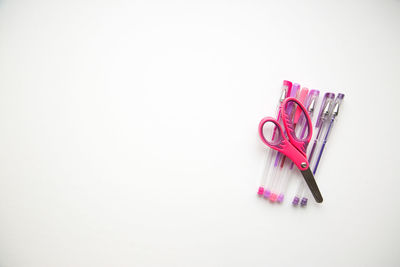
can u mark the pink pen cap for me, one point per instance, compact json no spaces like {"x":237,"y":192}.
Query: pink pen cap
{"x":293,"y":92}
{"x":288,"y":84}
{"x":273,"y":197}
{"x":302,"y":97}
{"x":285,"y":92}
{"x":260,"y":191}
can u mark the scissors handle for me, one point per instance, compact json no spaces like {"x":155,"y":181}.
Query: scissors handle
{"x":287,"y":118}
{"x":281,"y":144}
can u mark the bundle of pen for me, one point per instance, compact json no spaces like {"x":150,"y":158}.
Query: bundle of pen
{"x":295,"y":112}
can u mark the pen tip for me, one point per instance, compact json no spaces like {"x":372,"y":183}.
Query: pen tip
{"x":273,"y":197}
{"x":304,"y":201}
{"x":295,"y":201}
{"x":260,"y":191}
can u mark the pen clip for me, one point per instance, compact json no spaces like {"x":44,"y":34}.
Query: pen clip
{"x":325,"y":109}
{"x":312,"y":101}
{"x":288,"y":88}
{"x":338,"y":101}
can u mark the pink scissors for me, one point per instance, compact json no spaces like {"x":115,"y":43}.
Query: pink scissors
{"x":292,"y":147}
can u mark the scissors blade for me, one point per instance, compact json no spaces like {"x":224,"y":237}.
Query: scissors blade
{"x":309,"y":177}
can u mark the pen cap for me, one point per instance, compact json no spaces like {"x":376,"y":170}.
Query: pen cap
{"x":311,"y":103}
{"x":294,"y":90}
{"x":293,"y":93}
{"x":334,"y":112}
{"x":285,"y":91}
{"x":302,"y":96}
{"x":336,"y":106}
{"x":326,"y":106}
{"x":312,"y":100}
{"x":287,"y":84}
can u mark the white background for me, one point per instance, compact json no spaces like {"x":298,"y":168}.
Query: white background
{"x":128,"y":132}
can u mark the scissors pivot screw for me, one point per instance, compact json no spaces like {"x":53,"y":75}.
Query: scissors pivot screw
{"x":303,"y":164}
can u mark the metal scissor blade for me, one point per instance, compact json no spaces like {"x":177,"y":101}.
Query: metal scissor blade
{"x":309,"y":177}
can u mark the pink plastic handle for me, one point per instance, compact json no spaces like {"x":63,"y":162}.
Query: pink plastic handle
{"x":281,"y":144}
{"x":277,"y":136}
{"x":300,"y":144}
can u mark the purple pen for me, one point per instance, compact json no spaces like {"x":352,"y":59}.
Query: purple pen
{"x":334,"y":113}
{"x":320,"y":125}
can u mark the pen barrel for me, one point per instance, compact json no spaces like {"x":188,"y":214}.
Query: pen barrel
{"x":329,"y":130}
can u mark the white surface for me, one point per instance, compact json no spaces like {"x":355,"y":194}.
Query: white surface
{"x":128,"y":132}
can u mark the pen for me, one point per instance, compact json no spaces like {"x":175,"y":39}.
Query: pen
{"x":310,"y":104}
{"x":300,"y":123}
{"x":270,"y":153}
{"x":279,"y":160}
{"x":320,"y":125}
{"x":335,"y":112}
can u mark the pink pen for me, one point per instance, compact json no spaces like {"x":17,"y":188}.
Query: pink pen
{"x":270,"y":153}
{"x":290,"y":145}
{"x":310,"y":104}
{"x":277,"y":156}
{"x":275,"y":196}
{"x":279,"y":161}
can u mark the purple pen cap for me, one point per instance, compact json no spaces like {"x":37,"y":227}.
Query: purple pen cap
{"x":312,"y":100}
{"x":267,"y":193}
{"x":338,"y":101}
{"x":295,"y":201}
{"x":280,"y":198}
{"x":303,"y":202}
{"x":310,"y":103}
{"x":294,"y":90}
{"x":328,"y":97}
{"x":313,"y":93}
